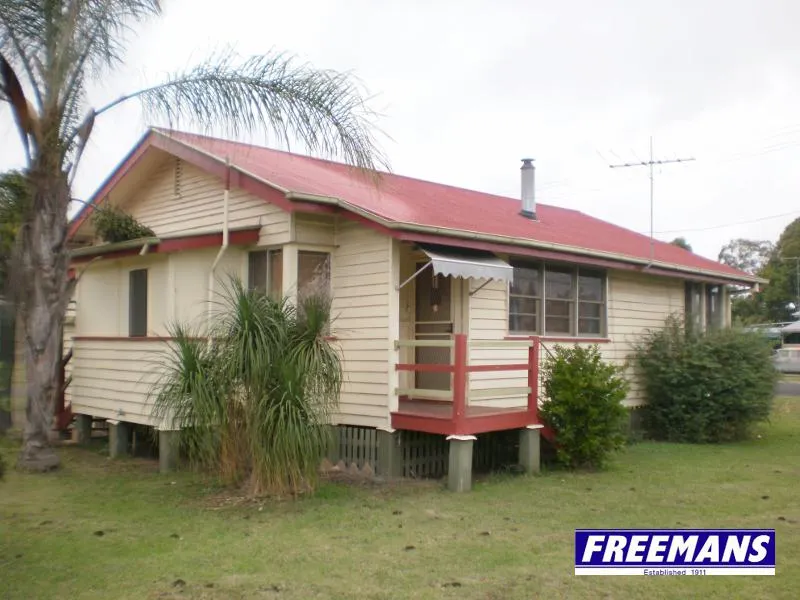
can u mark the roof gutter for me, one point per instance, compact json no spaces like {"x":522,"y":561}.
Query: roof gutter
{"x":457,"y":233}
{"x":144,"y":243}
{"x":487,"y":237}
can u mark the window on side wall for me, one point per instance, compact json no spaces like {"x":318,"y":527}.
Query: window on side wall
{"x":692,"y":305}
{"x":137,"y":303}
{"x":714,"y":315}
{"x":557,"y":301}
{"x":591,"y":303}
{"x":265,"y":272}
{"x":559,"y":306}
{"x":313,"y":273}
{"x":525,"y":300}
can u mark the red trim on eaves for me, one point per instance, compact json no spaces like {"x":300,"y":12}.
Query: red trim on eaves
{"x":204,"y":162}
{"x":565,"y":257}
{"x":217,"y":167}
{"x":123,"y":338}
{"x":127,"y":163}
{"x":240,"y":237}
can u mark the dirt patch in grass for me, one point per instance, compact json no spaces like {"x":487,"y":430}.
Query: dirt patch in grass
{"x":333,"y":484}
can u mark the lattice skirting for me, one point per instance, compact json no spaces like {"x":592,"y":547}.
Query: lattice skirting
{"x":423,"y":455}
{"x":357,"y":445}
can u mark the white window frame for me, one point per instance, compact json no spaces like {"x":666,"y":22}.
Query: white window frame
{"x":574,"y":271}
{"x":268,"y":250}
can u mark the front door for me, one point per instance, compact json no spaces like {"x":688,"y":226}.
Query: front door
{"x":433,"y":321}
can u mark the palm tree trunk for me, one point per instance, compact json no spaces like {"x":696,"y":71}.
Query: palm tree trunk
{"x":43,"y":269}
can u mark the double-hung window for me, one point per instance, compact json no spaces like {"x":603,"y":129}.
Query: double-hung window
{"x":313,"y":273}
{"x":525,"y":299}
{"x":559,"y":306}
{"x":591,"y":303}
{"x":265,"y":272}
{"x":137,"y":303}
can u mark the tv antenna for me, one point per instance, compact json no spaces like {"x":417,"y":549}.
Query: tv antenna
{"x":651,"y":163}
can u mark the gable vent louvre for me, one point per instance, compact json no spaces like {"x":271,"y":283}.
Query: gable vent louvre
{"x":178,"y":178}
{"x":528,"y":181}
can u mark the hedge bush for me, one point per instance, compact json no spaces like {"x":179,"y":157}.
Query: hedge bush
{"x":583,"y":406}
{"x":704,"y":387}
{"x":115,"y":225}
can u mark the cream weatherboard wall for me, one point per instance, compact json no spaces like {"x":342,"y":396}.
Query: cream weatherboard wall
{"x":636,"y":303}
{"x":112,"y":375}
{"x":180,"y":199}
{"x":364,"y":273}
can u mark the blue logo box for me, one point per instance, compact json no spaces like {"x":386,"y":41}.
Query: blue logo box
{"x":675,"y":552}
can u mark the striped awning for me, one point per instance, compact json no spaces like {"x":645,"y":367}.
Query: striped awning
{"x":468,"y":264}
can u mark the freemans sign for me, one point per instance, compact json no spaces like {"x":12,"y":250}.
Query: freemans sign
{"x":675,"y":552}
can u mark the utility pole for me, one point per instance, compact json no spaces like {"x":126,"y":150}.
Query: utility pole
{"x":651,"y":163}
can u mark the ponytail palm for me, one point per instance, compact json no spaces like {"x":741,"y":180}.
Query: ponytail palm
{"x":253,"y":405}
{"x":50,"y":51}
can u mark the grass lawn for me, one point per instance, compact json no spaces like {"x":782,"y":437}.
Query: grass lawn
{"x":102,"y":529}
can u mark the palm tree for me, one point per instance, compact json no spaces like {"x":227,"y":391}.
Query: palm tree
{"x":253,"y":405}
{"x":50,"y":50}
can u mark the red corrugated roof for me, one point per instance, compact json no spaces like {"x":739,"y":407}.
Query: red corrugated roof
{"x":399,"y":202}
{"x":404,"y":200}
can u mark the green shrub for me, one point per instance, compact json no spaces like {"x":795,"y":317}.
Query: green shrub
{"x":584,"y":406}
{"x":704,"y":387}
{"x":115,"y":225}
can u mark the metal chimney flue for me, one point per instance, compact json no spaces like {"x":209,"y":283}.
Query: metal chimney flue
{"x":528,"y":180}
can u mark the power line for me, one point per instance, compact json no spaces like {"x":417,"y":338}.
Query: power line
{"x":690,"y":230}
{"x":650,"y":163}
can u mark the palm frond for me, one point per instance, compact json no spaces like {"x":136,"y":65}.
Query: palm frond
{"x":325,"y":110}
{"x":21,"y":39}
{"x":255,"y":401}
{"x":94,"y":37}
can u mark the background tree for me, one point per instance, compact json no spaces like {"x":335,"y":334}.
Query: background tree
{"x":681,"y":243}
{"x":781,"y":296}
{"x":14,"y":195}
{"x":750,"y":256}
{"x":50,"y":50}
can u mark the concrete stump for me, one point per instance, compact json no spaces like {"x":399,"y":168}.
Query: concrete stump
{"x":119,"y":438}
{"x":530,"y":449}
{"x":459,"y":466}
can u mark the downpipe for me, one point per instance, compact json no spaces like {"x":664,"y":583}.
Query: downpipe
{"x":223,"y":249}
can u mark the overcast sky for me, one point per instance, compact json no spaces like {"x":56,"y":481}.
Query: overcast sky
{"x":467,"y":88}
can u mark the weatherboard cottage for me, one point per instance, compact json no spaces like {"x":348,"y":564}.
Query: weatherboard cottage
{"x":443,"y":297}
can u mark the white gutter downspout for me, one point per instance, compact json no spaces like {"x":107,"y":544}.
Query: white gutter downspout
{"x":223,"y":248}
